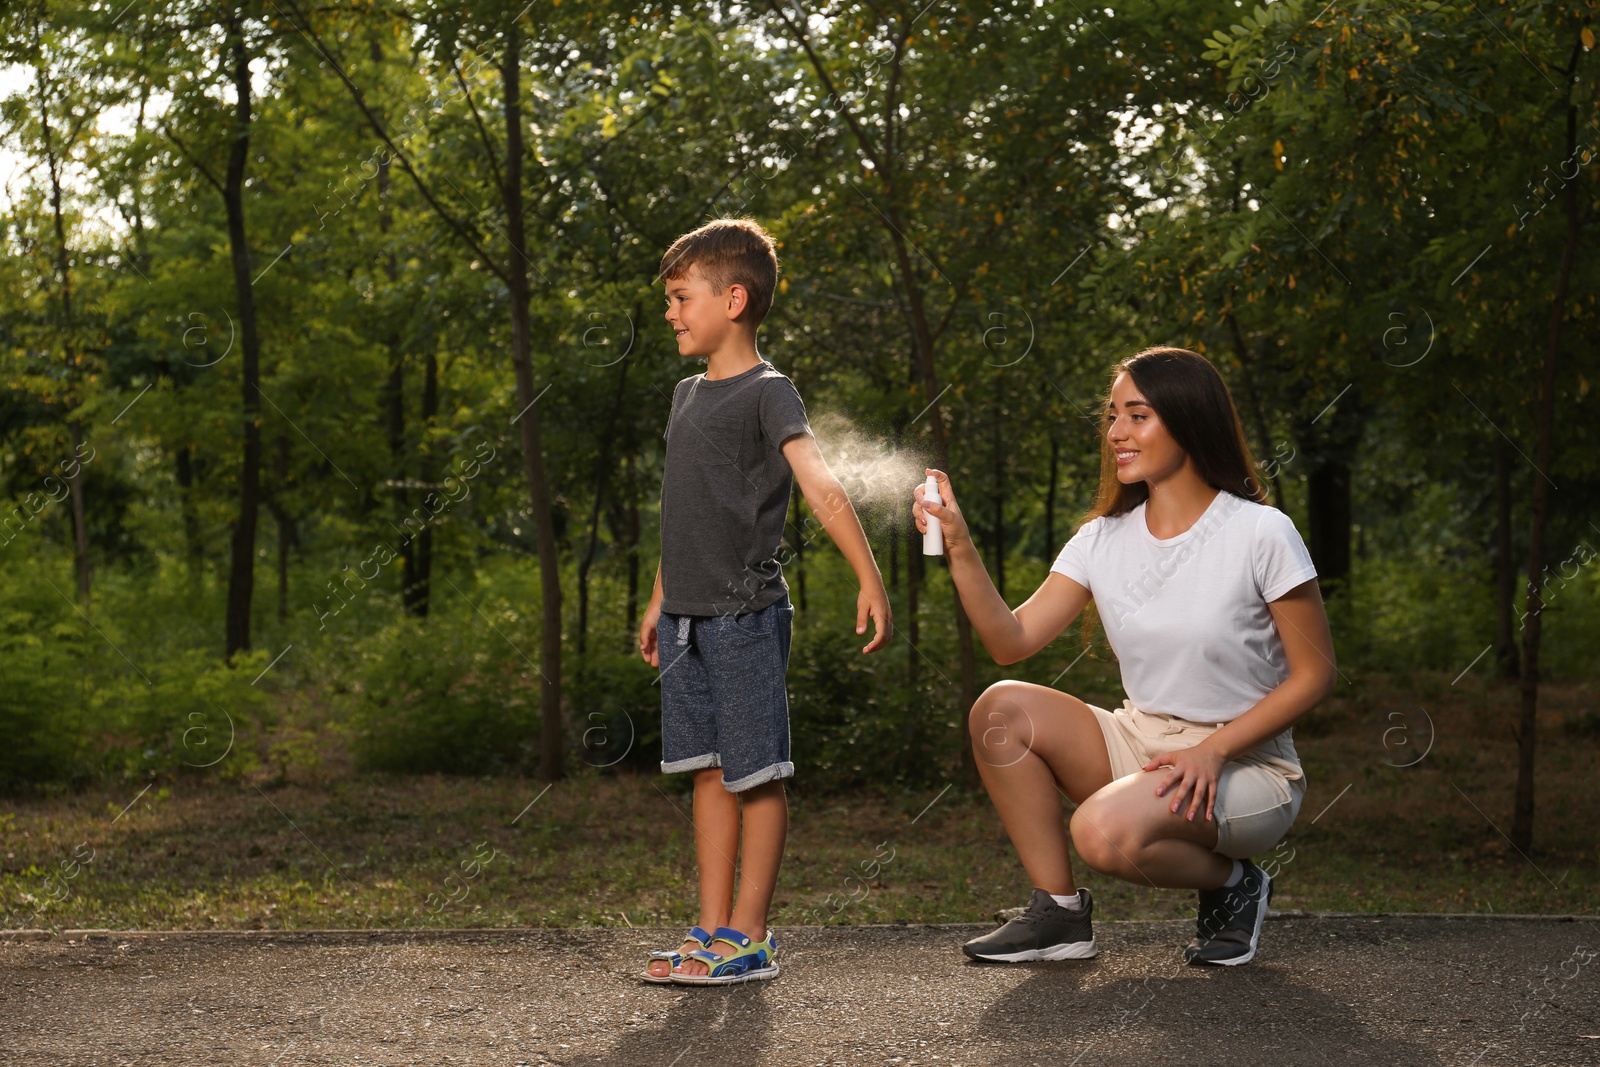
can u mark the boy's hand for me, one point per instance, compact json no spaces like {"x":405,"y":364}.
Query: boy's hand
{"x":876,"y":605}
{"x":952,"y":527}
{"x":647,"y":634}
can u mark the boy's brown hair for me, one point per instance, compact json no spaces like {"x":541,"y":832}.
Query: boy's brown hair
{"x":728,"y":252}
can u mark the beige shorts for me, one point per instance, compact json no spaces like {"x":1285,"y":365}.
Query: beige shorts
{"x":1258,"y":794}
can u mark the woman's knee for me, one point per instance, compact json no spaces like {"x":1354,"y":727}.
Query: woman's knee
{"x":999,"y":721}
{"x":1102,"y":839}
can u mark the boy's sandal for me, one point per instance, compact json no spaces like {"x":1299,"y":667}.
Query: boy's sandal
{"x":753,"y":961}
{"x":674,"y":959}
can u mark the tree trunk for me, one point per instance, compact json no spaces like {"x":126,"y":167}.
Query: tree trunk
{"x":1544,"y":449}
{"x":999,"y":495}
{"x":80,"y":526}
{"x":916,"y":568}
{"x":514,"y":274}
{"x":394,"y":389}
{"x":414,"y":558}
{"x":1328,"y":514}
{"x":602,"y":472}
{"x":551,"y":746}
{"x":906,"y":535}
{"x":1505,"y":570}
{"x":969,"y":690}
{"x":1249,"y":372}
{"x":287,"y":538}
{"x":80,"y":532}
{"x":898,"y":517}
{"x":194,"y":549}
{"x":631,"y":624}
{"x":394,"y":419}
{"x":922,"y":336}
{"x":422,"y":547}
{"x":241,"y":569}
{"x":1050,"y":546}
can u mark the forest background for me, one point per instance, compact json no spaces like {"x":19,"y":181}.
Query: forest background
{"x":332,"y":442}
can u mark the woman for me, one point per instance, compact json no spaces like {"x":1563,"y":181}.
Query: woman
{"x":1210,"y":602}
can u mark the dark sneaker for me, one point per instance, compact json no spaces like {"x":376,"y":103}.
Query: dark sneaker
{"x":1229,"y":926}
{"x":1045,"y":931}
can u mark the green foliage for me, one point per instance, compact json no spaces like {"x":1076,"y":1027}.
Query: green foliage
{"x":615,"y":715}
{"x":45,"y":657}
{"x":1572,"y":618}
{"x":442,"y":694}
{"x":83,"y":696}
{"x":194,"y":715}
{"x":1409,"y":614}
{"x":1018,"y":192}
{"x":856,"y":723}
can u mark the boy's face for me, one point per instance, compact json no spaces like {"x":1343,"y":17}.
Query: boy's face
{"x":701,"y":318}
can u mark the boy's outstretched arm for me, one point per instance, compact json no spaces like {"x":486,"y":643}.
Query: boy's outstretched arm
{"x":838,"y":516}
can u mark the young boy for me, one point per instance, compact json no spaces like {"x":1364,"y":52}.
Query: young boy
{"x":718,"y":624}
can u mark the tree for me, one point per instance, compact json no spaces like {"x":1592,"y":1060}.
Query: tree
{"x":1423,"y":120}
{"x":941,"y":119}
{"x":57,"y":124}
{"x":228,"y":30}
{"x":493,"y":30}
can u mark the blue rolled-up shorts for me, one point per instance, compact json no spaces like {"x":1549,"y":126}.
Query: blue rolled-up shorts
{"x":723,"y":702}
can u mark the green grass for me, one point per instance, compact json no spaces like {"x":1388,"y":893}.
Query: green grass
{"x":331,"y":848}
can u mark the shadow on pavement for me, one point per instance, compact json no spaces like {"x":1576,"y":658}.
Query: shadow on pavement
{"x":725,"y":1024}
{"x":1096,"y":1015}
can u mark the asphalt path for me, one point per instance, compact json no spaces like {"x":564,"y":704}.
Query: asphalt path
{"x":1465,"y":991}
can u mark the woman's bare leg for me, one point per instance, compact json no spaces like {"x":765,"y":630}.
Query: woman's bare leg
{"x":1031,"y":744}
{"x":1125,"y":830}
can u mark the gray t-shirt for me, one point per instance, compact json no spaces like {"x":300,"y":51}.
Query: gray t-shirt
{"x":725,"y":491}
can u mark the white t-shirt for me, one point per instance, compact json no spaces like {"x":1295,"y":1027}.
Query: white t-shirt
{"x":1187,"y":615}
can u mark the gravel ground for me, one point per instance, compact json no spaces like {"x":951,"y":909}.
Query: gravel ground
{"x":1324,"y":990}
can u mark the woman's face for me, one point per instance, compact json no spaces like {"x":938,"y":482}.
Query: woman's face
{"x":1145,"y":451}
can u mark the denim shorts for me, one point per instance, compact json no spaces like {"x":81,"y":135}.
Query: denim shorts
{"x":1258,"y":793}
{"x":723,"y":702}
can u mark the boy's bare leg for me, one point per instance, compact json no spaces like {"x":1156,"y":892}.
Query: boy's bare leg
{"x":765,"y":828}
{"x":716,"y":846}
{"x":766,"y":825}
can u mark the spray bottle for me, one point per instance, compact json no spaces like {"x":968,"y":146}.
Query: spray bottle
{"x":933,"y":540}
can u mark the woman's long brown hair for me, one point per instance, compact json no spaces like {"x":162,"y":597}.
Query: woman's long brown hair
{"x":1195,"y":406}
